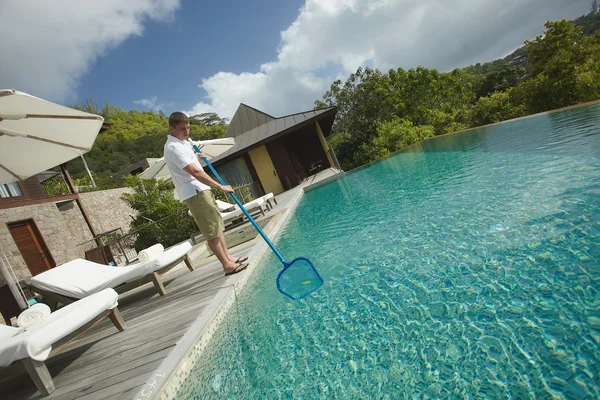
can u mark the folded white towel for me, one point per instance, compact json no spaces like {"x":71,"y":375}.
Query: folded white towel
{"x":33,"y":316}
{"x":151,"y":252}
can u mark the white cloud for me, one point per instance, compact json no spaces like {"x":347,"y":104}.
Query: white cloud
{"x":338,"y":36}
{"x":63,"y":38}
{"x":152,"y":103}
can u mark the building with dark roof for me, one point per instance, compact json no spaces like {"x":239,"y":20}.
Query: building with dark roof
{"x":276,"y":154}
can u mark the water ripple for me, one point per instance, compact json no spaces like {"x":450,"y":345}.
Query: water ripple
{"x":465,"y":267}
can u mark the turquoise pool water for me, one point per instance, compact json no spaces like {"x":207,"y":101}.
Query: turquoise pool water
{"x":465,"y":267}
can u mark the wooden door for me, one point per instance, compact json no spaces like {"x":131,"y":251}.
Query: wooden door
{"x":32,"y":246}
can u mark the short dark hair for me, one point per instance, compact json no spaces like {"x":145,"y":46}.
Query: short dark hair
{"x":178,"y":118}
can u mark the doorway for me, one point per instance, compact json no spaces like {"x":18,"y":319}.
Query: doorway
{"x":32,"y":246}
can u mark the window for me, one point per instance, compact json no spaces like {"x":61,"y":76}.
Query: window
{"x":10,"y":190}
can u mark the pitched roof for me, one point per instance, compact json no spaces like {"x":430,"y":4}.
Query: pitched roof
{"x":246,"y":118}
{"x":264,"y":127}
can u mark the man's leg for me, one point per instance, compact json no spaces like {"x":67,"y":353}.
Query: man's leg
{"x":223,"y":244}
{"x":207,"y":217}
{"x":229,"y":256}
{"x":221,"y":253}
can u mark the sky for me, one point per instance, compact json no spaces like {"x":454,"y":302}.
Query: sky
{"x":277,"y":56}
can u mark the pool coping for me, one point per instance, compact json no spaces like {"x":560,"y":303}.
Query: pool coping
{"x":166,"y":380}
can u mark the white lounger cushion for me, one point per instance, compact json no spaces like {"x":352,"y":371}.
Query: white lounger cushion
{"x":254,"y":203}
{"x":80,"y":278}
{"x":36,"y":342}
{"x":224,"y":206}
{"x":237,"y":212}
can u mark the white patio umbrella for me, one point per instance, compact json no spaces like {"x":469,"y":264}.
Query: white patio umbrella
{"x":211,"y":148}
{"x":36,"y":135}
{"x":158,"y":171}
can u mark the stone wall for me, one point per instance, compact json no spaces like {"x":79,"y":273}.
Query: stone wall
{"x":61,"y":226}
{"x":106,"y":209}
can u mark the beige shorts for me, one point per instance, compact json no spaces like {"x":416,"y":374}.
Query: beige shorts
{"x":206,"y":214}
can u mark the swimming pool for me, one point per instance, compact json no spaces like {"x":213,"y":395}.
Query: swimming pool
{"x":466,"y":266}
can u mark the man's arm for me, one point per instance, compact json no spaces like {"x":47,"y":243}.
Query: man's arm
{"x":203,"y":177}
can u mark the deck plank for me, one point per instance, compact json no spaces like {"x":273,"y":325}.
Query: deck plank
{"x":103,"y":363}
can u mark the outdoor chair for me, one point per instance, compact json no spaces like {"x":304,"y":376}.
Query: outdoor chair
{"x":255,"y":204}
{"x":231,"y":212}
{"x":268,"y":198}
{"x":32,"y":346}
{"x":233,"y":216}
{"x":315,"y":167}
{"x":80,"y":278}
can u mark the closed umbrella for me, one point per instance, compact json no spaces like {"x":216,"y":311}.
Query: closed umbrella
{"x":211,"y":149}
{"x":158,"y":171}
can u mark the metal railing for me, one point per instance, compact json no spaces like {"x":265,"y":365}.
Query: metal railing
{"x":170,"y":230}
{"x":244,"y":193}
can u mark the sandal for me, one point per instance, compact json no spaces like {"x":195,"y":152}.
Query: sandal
{"x":237,"y":269}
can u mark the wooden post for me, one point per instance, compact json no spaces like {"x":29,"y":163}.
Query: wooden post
{"x":325,"y":145}
{"x":86,"y":217}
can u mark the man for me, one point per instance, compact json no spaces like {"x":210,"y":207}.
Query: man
{"x":193,"y":185}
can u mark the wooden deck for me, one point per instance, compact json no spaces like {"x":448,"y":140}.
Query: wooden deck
{"x":103,"y":363}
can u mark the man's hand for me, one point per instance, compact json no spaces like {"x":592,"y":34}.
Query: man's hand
{"x":226,"y":189}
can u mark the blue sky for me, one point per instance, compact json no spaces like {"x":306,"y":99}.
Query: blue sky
{"x":275,"y":55}
{"x":171,"y":58}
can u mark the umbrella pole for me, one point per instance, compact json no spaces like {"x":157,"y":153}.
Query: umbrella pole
{"x":88,"y":171}
{"x":13,"y":285}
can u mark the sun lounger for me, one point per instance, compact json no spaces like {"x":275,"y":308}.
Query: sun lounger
{"x":80,"y":278}
{"x":225,"y":206}
{"x":231,"y":210}
{"x":253,"y":207}
{"x":236,"y":216}
{"x":33,"y":345}
{"x":268,"y":198}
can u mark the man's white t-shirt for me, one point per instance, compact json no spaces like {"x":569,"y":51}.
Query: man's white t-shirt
{"x":178,"y":155}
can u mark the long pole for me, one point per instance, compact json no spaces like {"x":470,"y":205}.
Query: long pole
{"x":239,"y":203}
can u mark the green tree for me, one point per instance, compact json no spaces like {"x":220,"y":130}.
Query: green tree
{"x":360,"y":103}
{"x":134,"y":135}
{"x":495,"y":108}
{"x":207,"y":119}
{"x":154,"y":201}
{"x":370,"y":97}
{"x":560,"y":62}
{"x":559,"y":68}
{"x":397,"y":134}
{"x":501,"y":80}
